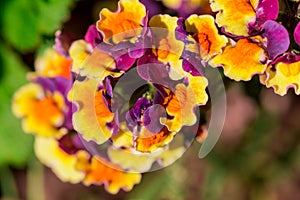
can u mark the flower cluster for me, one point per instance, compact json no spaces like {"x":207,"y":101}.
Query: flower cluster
{"x":261,"y":41}
{"x":126,"y":98}
{"x":47,"y":113}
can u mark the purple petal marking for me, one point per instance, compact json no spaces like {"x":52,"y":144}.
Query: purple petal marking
{"x":186,"y":10}
{"x":145,"y":63}
{"x":160,"y":94}
{"x":297,"y":34}
{"x":139,"y":49}
{"x":190,"y":60}
{"x":70,"y":143}
{"x":150,"y":69}
{"x":192,"y":63}
{"x":152,"y":117}
{"x":133,"y":116}
{"x":180,"y":32}
{"x":114,"y":125}
{"x":267,"y":10}
{"x":287,"y":58}
{"x":92,"y":36}
{"x":125,"y":62}
{"x":62,"y":43}
{"x":61,"y":85}
{"x":278,"y":38}
{"x":108,"y":87}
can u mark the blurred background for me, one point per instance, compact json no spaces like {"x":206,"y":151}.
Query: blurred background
{"x":256,"y":158}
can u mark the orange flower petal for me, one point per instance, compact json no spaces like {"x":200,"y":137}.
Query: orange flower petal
{"x":100,"y":171}
{"x":242,"y":61}
{"x":146,"y":141}
{"x":123,"y":25}
{"x":102,"y":111}
{"x":62,"y":164}
{"x":42,"y":114}
{"x":52,"y":64}
{"x":182,"y":104}
{"x":206,"y":35}
{"x":167,"y":48}
{"x":234,"y":15}
{"x":284,"y":76}
{"x":92,"y":116}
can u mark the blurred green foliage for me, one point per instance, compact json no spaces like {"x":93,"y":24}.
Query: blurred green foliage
{"x":25,"y":22}
{"x":24,"y":25}
{"x":15,"y":146}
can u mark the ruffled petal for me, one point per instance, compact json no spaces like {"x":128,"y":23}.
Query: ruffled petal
{"x":62,"y":164}
{"x":297,"y":34}
{"x":234,"y":15}
{"x":124,"y":138}
{"x":206,"y":35}
{"x":124,"y":24}
{"x":132,"y":160}
{"x":183,"y":102}
{"x":283,"y":76}
{"x":79,"y":51}
{"x":278,"y":38}
{"x":42,"y":114}
{"x":241,"y":61}
{"x":267,"y":10}
{"x":93,"y":115}
{"x":92,"y":36}
{"x":96,"y":64}
{"x":146,"y":141}
{"x":99,"y":65}
{"x":142,"y":162}
{"x":52,"y":64}
{"x":167,"y":48}
{"x":198,"y":84}
{"x":100,"y":171}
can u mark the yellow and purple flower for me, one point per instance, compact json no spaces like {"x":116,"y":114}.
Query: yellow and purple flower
{"x":256,"y":38}
{"x":238,"y":17}
{"x":283,"y":73}
{"x":123,"y":25}
{"x":135,"y":85}
{"x":241,"y":60}
{"x":42,"y":104}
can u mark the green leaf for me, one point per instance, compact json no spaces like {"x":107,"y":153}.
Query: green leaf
{"x":25,"y":22}
{"x":19,"y":23}
{"x":51,"y":14}
{"x":15,"y":146}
